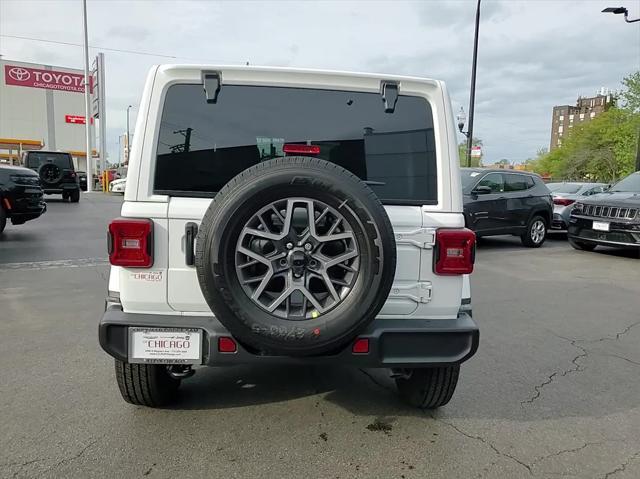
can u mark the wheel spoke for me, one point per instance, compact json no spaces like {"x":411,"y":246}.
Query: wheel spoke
{"x":253,"y":255}
{"x":316,"y":304}
{"x":250,"y":263}
{"x":278,"y":301}
{"x":330,"y":287}
{"x":263,"y":284}
{"x":340,"y":258}
{"x":347,"y":235}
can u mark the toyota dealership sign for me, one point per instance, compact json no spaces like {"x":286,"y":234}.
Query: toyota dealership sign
{"x":47,"y":79}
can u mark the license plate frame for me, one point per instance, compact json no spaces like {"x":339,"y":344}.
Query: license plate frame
{"x":600,"y":226}
{"x":172,"y":346}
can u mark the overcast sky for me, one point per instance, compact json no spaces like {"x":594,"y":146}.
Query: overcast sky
{"x":533,"y":53}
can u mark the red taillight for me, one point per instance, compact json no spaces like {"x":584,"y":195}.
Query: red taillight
{"x":454,"y":251}
{"x":293,"y":148}
{"x":130,"y":243}
{"x":227,"y":345}
{"x":360,"y":346}
{"x":563,"y":201}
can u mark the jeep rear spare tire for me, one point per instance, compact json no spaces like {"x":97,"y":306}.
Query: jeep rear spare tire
{"x":295,"y":256}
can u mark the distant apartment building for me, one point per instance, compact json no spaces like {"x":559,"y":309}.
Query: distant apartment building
{"x":566,"y":116}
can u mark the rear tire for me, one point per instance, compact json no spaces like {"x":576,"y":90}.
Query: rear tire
{"x":429,"y":388}
{"x":146,"y":384}
{"x":535,"y":233}
{"x":579,"y":245}
{"x":74,"y":196}
{"x":65,"y":196}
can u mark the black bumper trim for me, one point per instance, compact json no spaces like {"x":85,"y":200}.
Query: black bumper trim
{"x":393,"y":343}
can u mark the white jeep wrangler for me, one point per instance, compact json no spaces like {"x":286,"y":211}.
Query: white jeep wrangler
{"x":290,"y":216}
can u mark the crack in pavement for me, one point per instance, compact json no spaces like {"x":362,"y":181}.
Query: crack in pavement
{"x":610,"y":338}
{"x":577,"y":367}
{"x":622,"y":467}
{"x":623,"y":358}
{"x":21,"y":464}
{"x":572,"y":450}
{"x":574,"y":369}
{"x":528,"y":467}
{"x":66,"y":460}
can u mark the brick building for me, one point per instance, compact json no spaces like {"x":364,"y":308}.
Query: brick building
{"x":566,"y":116}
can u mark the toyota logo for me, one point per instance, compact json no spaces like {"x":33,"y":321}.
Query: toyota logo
{"x":19,"y":74}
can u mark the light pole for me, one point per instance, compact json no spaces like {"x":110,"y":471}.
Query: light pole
{"x":618,"y":11}
{"x":128,"y":137}
{"x":87,"y":100}
{"x":472,"y":96}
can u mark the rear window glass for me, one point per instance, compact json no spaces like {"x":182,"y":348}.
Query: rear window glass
{"x":202,"y":146}
{"x":38,"y":158}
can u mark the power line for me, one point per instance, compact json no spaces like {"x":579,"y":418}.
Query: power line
{"x":133,"y":52}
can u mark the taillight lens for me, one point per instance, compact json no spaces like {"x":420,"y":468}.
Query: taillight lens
{"x":454,"y":251}
{"x":563,"y":201}
{"x":130,"y":242}
{"x":293,"y":148}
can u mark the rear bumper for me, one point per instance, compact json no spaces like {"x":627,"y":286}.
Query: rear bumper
{"x":63,"y":188}
{"x":393,"y":343}
{"x":624,"y":235}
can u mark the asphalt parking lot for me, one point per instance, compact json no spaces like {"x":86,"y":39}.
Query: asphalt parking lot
{"x":552,"y":392}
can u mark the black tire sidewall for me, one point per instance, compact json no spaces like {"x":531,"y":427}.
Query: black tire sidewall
{"x":286,"y":178}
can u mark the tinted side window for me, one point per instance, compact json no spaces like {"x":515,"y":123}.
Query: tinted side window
{"x":515,"y":182}
{"x":530,"y":182}
{"x":493,"y":181}
{"x":202,"y":146}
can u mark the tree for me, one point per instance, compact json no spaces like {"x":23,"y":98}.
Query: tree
{"x":631,"y":96}
{"x":603,"y":148}
{"x":462,"y":153}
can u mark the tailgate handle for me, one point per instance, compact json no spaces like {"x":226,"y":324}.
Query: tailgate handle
{"x":190,"y":232}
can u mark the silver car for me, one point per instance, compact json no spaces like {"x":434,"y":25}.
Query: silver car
{"x":565,"y":195}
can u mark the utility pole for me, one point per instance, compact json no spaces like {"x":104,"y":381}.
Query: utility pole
{"x":87,"y":100}
{"x":472,"y":98}
{"x":128,"y":137}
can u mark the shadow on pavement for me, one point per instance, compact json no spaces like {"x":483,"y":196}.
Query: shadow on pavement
{"x":361,"y":392}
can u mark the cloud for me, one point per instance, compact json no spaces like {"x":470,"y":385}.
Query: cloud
{"x":532,"y":55}
{"x":132,"y":33}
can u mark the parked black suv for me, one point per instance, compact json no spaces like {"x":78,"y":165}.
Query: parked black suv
{"x":21,"y":198}
{"x":56,"y":172}
{"x":611,"y":218}
{"x":500,"y":202}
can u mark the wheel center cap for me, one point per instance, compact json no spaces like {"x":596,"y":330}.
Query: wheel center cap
{"x":298,"y":262}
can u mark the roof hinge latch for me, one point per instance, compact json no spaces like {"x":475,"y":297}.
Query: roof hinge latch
{"x":389,"y":92}
{"x":211,"y":82}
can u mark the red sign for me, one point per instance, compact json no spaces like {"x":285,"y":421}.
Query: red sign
{"x":76,"y":119}
{"x":81,"y":120}
{"x":48,"y":79}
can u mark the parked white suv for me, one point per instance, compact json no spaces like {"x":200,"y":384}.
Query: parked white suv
{"x":290,"y":216}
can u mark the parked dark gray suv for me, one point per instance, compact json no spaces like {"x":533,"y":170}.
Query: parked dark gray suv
{"x":611,"y":218}
{"x":501,"y":202}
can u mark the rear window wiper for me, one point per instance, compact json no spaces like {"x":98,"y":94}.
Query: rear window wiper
{"x":374,"y":183}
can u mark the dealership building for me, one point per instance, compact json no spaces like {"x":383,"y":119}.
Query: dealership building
{"x":41,"y":108}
